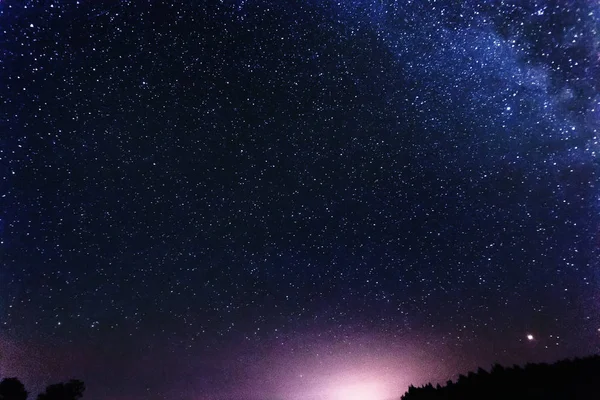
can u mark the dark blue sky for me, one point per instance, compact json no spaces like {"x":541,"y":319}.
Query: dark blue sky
{"x":226,"y":199}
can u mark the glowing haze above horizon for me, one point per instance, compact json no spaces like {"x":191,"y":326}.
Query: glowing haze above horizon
{"x":295,"y":200}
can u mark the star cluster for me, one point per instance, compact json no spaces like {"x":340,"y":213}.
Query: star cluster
{"x":257,"y":199}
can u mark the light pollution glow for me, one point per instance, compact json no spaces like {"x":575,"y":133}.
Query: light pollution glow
{"x":364,"y":369}
{"x":358,"y":388}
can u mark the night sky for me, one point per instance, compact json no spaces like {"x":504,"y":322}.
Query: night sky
{"x":295,"y":199}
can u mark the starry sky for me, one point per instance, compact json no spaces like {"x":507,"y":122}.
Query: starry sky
{"x":295,"y":199}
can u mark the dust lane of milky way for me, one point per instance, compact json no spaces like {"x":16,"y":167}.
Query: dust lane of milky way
{"x":295,"y":199}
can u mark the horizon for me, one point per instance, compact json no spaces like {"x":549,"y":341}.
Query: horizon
{"x":369,"y":392}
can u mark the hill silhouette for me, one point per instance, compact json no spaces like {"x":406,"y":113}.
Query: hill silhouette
{"x":566,"y":379}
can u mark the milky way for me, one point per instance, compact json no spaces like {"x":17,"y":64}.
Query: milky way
{"x":287,"y":199}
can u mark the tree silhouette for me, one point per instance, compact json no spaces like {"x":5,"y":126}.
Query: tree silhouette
{"x":564,"y":380}
{"x":12,"y":389}
{"x":72,"y":390}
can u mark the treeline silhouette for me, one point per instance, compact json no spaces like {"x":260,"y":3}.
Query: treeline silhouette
{"x":566,"y":379}
{"x":13,"y":389}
